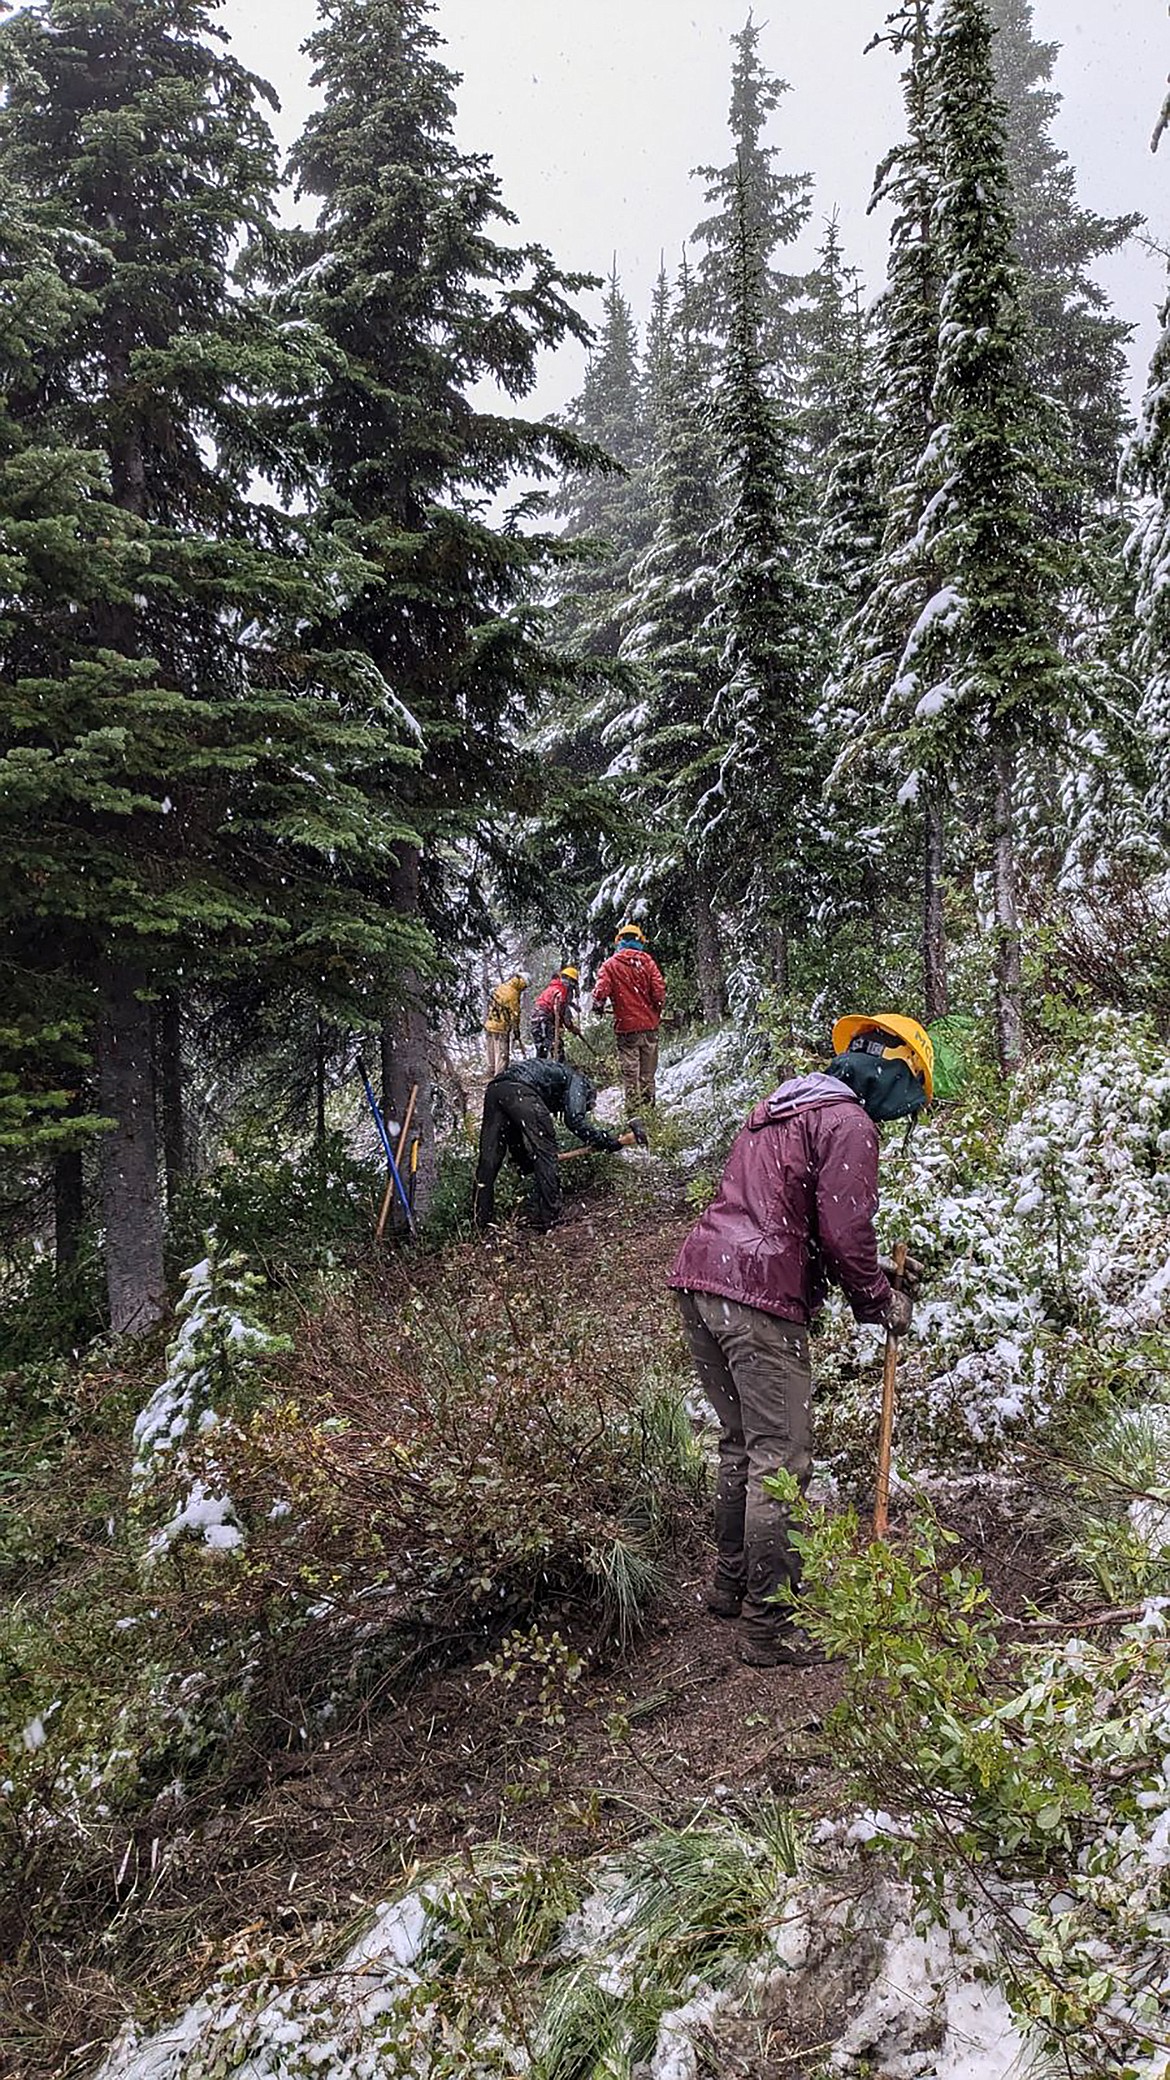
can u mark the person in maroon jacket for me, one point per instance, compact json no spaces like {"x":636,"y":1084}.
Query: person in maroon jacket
{"x":794,"y":1213}
{"x":631,"y":981}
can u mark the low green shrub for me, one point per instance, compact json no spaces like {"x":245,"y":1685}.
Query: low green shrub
{"x":43,"y":1316}
{"x":1018,"y":1771}
{"x":287,"y":1212}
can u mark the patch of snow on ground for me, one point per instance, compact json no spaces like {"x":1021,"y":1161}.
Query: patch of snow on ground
{"x":337,"y":2023}
{"x":707,"y":1087}
{"x":929,"y":1983}
{"x":680,"y":2034}
{"x":160,"y":2057}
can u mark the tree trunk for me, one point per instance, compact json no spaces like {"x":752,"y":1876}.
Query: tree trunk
{"x":131,"y":1201}
{"x":319,"y":1087}
{"x":1009,"y":986}
{"x":68,"y":1212}
{"x":386,"y":1070}
{"x":709,"y":959}
{"x":936,"y":991}
{"x":412,"y":1047}
{"x":168,"y":1055}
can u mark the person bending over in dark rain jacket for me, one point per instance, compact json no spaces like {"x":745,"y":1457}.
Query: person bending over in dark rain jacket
{"x":794,"y":1213}
{"x":518,"y":1121}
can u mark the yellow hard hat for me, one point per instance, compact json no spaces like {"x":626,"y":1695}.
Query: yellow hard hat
{"x":571,"y":974}
{"x":629,"y":931}
{"x":917,"y":1046}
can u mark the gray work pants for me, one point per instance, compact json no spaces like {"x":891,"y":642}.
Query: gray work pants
{"x":754,"y":1370}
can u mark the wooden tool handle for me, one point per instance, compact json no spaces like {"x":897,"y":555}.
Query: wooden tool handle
{"x":881,"y":1508}
{"x":402,"y":1134}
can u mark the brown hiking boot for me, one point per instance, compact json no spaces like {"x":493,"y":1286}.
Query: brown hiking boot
{"x":791,"y":1648}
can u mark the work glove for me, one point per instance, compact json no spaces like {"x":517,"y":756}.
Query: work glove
{"x":900,"y":1312}
{"x":912,"y":1273}
{"x":636,"y":1133}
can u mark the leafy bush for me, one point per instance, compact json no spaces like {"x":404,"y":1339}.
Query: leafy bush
{"x":286,"y":1212}
{"x":1029,"y":1777}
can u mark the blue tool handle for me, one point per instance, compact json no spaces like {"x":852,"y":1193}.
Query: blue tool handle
{"x":380,"y":1123}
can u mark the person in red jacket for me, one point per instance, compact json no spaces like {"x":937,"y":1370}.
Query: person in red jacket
{"x":794,"y":1214}
{"x":552,"y":1016}
{"x":631,"y":981}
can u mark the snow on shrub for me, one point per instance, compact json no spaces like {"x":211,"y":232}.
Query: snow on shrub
{"x":1047,"y":1240}
{"x":217,"y":1354}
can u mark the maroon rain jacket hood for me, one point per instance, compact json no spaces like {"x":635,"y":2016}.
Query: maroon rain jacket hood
{"x":795,"y":1209}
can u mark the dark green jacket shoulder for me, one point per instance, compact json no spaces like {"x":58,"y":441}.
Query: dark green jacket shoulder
{"x":564,"y":1090}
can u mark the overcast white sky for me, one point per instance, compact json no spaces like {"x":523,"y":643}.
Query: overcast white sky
{"x":595,"y":111}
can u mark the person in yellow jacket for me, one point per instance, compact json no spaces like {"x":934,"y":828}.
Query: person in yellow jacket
{"x":502,"y":1024}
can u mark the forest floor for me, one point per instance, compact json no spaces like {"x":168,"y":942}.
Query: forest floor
{"x":447,"y":1725}
{"x":307,"y":1841}
{"x":458,"y":1760}
{"x":642,"y":1737}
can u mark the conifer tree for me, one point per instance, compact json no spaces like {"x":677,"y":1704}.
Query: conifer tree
{"x":778,"y":207}
{"x":419,"y":301}
{"x":1150,"y":560}
{"x":190,"y":792}
{"x":668,"y":753}
{"x":605,"y":505}
{"x":984,"y":646}
{"x":606,"y":512}
{"x":1077,"y":348}
{"x":753,"y":822}
{"x":838,"y":439}
{"x":891,"y":762}
{"x":48,"y":491}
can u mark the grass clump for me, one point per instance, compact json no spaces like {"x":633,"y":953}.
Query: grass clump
{"x":500,"y":1962}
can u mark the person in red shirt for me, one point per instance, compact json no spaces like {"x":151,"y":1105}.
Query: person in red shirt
{"x":631,"y":981}
{"x":552,"y":1016}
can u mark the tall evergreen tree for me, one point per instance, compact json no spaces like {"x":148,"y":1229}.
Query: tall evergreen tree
{"x":50,"y":496}
{"x":1150,"y":560}
{"x":838,"y":440}
{"x":602,"y":504}
{"x":606,"y":509}
{"x":984,"y":645}
{"x":889,"y":758}
{"x":1077,"y":347}
{"x":668,"y":754}
{"x":194,"y":792}
{"x":419,"y":302}
{"x":778,"y":207}
{"x":753,"y":822}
